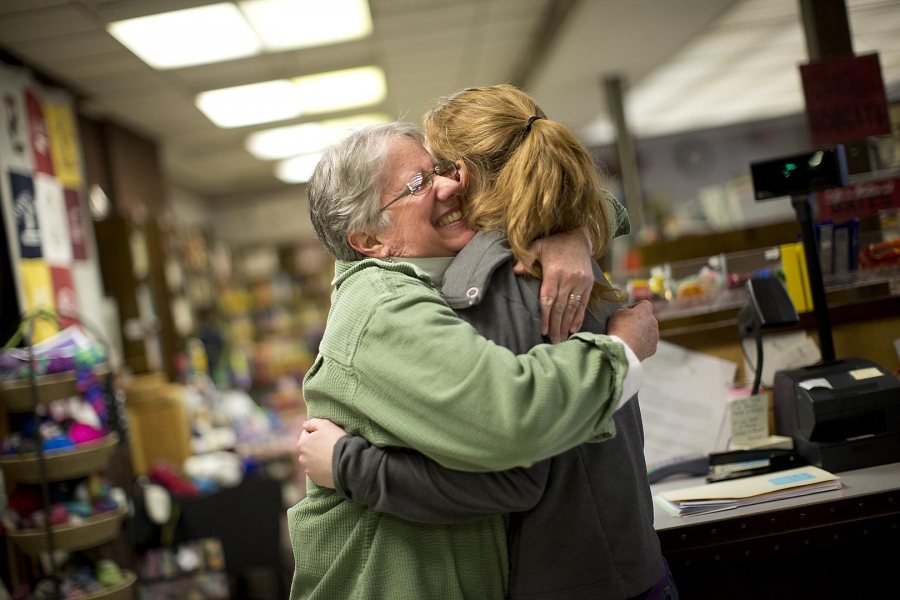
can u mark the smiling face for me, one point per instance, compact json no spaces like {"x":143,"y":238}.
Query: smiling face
{"x":429,"y":225}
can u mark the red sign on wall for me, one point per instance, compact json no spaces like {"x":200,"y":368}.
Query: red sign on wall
{"x":859,"y":200}
{"x":845,"y":99}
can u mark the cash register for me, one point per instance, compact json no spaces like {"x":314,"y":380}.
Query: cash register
{"x":842,"y":413}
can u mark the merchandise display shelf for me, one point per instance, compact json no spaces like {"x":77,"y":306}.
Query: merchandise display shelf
{"x":15,"y":394}
{"x":83,"y":460}
{"x":94,"y":531}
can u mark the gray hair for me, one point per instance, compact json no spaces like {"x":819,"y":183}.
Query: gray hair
{"x":345,"y":191}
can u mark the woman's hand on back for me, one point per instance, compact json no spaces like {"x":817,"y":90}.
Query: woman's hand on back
{"x":567,"y":279}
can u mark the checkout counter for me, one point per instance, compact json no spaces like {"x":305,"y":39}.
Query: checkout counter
{"x":838,"y":544}
{"x":844,"y":416}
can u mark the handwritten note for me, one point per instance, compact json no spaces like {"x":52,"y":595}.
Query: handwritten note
{"x":749,"y":418}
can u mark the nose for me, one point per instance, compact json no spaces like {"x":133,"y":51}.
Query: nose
{"x":446,"y":188}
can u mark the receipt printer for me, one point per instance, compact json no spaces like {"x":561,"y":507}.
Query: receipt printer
{"x":842,"y":414}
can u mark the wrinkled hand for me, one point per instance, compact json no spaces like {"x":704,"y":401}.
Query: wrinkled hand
{"x":637,"y":327}
{"x":567,"y":278}
{"x":316,"y":446}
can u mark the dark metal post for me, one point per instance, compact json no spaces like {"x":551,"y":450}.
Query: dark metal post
{"x":802,"y":204}
{"x":627,"y":156}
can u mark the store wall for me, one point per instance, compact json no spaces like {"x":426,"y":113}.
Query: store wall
{"x":132,"y":241}
{"x":187,"y":209}
{"x":680,"y":172}
{"x":273,"y":218}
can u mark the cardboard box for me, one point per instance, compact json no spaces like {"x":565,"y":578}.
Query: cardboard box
{"x":157,"y":421}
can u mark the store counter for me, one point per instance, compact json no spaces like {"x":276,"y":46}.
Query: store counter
{"x":839,"y":544}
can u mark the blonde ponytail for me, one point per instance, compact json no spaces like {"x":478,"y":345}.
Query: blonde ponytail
{"x":530,"y":175}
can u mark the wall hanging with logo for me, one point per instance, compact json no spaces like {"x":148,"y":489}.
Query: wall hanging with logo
{"x":51,"y":243}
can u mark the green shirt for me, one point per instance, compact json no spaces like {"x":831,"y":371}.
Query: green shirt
{"x":398,"y":367}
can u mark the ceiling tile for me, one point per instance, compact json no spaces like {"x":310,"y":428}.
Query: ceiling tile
{"x":49,"y":23}
{"x":116,"y":10}
{"x":11,"y":6}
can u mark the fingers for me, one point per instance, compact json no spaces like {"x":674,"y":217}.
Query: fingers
{"x":548,"y":299}
{"x":578,"y":313}
{"x":564,"y":306}
{"x":576,"y":303}
{"x":562,"y":314}
{"x":519,"y":268}
{"x":557,"y":312}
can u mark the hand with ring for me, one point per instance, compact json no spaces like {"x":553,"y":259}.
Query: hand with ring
{"x":567,"y":278}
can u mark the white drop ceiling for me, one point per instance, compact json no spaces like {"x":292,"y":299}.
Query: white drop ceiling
{"x":560,"y":50}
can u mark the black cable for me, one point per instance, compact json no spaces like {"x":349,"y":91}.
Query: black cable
{"x":750,"y":363}
{"x":757,"y":379}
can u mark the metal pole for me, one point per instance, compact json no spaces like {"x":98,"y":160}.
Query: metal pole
{"x":803,"y":207}
{"x":628,"y":165}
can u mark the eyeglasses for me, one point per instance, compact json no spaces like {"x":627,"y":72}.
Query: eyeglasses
{"x":421,"y":182}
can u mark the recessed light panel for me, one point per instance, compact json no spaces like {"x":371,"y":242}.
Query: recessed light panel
{"x":282,"y":99}
{"x":285,"y":142}
{"x":341,"y":90}
{"x":289,"y":24}
{"x":251,"y":104}
{"x":193,"y":36}
{"x":298,"y":169}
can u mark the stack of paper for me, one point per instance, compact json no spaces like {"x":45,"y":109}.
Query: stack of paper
{"x":725,"y":495}
{"x":683,"y":403}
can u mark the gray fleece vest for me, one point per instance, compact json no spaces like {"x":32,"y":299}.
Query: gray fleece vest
{"x":591,"y":534}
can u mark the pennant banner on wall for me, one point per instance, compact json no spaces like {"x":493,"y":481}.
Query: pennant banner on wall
{"x":64,"y":295}
{"x":76,"y":224}
{"x":24,"y":209}
{"x":37,"y":288}
{"x":54,"y":219}
{"x":15,"y":144}
{"x":41,"y":192}
{"x":63,"y":143}
{"x":37,"y":128}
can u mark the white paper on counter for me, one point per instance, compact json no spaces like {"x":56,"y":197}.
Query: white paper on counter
{"x":683,"y":402}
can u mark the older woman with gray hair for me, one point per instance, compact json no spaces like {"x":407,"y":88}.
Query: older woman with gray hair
{"x":397,"y":366}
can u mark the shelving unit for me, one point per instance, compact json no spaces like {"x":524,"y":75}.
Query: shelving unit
{"x":280,"y":302}
{"x":44,"y":467}
{"x":859,"y":284}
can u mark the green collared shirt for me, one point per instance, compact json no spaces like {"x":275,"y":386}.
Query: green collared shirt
{"x":398,"y":367}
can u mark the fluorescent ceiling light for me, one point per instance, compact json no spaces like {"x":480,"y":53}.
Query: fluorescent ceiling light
{"x":298,"y":169}
{"x":251,"y":104}
{"x":341,"y":90}
{"x":193,"y":36}
{"x":285,"y":142}
{"x":288,"y":24}
{"x":283,"y":99}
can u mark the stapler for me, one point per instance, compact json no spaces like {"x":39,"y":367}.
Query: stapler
{"x":691,"y":466}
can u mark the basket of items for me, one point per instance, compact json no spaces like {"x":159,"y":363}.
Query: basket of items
{"x":78,"y":461}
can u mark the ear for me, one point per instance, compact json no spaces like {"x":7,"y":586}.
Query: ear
{"x":368,"y":244}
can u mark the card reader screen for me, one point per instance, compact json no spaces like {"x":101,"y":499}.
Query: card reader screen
{"x":799,"y":173}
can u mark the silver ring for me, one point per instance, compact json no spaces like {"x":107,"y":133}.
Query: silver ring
{"x":574,"y":297}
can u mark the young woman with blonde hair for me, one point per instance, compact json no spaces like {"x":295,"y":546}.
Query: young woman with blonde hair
{"x":531,"y":177}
